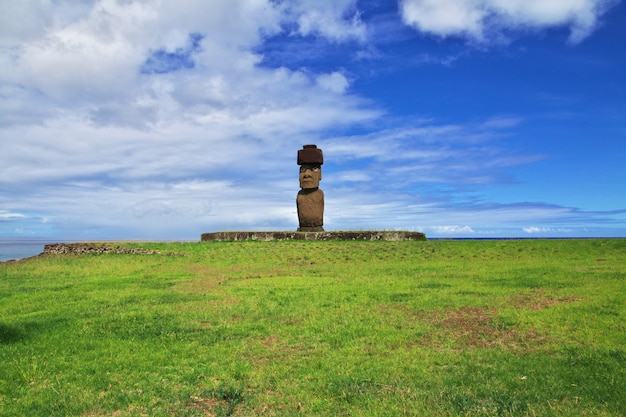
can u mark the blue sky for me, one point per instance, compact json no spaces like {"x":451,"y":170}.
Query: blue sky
{"x":166,"y":119}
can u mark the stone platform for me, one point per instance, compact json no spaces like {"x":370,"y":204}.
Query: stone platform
{"x":321,"y":236}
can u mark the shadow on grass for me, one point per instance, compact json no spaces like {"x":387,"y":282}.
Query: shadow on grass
{"x":496,"y":404}
{"x":10,"y":334}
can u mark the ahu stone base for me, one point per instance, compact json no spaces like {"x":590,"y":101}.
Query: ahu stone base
{"x":322,"y":236}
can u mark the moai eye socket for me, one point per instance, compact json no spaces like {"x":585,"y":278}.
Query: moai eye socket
{"x":315,"y":168}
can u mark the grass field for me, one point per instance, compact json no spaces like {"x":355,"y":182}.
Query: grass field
{"x":437,"y":328}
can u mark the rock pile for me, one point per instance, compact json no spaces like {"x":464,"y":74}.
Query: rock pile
{"x":99,"y":248}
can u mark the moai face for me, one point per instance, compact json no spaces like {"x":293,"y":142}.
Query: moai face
{"x":310,"y":176}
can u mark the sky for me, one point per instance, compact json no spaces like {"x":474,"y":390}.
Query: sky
{"x":166,"y":119}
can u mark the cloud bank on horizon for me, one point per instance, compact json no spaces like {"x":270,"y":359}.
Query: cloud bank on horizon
{"x":170,"y":118}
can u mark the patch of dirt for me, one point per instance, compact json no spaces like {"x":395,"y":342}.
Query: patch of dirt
{"x":472,"y":327}
{"x":272,"y":349}
{"x":130,"y":411}
{"x":201,"y":270}
{"x":198,"y":286}
{"x":208,"y":279}
{"x":539,"y":300}
{"x":272,"y":341}
{"x":210,"y":406}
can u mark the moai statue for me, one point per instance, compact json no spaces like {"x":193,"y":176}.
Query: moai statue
{"x":310,"y":199}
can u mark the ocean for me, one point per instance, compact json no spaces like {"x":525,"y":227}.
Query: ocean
{"x":11,"y":248}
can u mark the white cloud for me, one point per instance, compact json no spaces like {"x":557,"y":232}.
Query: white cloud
{"x":90,"y":66}
{"x":487,"y":20}
{"x":424,"y":152}
{"x":444,"y":17}
{"x":338,"y":20}
{"x":26,"y":20}
{"x":452,"y":230}
{"x":546,"y":230}
{"x":5,"y":215}
{"x":97,"y":55}
{"x":335,"y":82}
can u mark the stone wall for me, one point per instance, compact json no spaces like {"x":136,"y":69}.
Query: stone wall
{"x":98,"y":248}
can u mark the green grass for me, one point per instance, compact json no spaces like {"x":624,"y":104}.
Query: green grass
{"x":438,"y":328}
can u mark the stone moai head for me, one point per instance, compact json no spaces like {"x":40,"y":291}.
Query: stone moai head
{"x":310,"y":159}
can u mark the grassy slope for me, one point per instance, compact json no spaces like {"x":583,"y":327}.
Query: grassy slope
{"x":440,"y":328}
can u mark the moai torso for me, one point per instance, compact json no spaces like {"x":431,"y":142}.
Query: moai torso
{"x":310,"y":205}
{"x":310,"y":199}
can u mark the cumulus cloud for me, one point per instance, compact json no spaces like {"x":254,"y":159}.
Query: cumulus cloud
{"x":122,"y":61}
{"x":140,"y":111}
{"x":338,"y":20}
{"x":488,"y":20}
